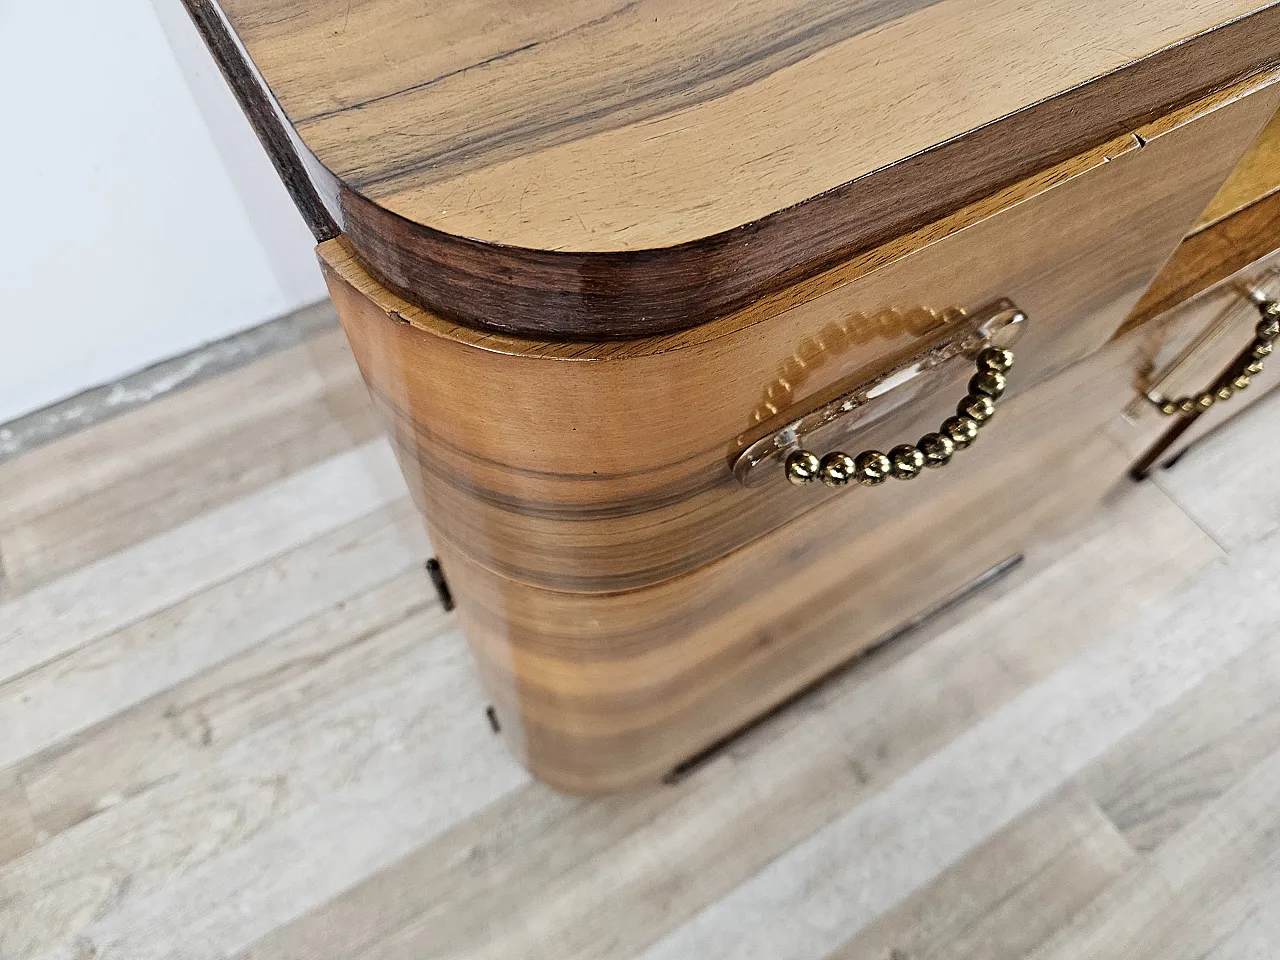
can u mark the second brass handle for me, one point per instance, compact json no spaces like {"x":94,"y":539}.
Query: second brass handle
{"x":871,"y":467}
{"x":1237,"y":377}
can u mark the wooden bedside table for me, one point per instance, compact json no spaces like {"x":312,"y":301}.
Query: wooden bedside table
{"x":663,"y":303}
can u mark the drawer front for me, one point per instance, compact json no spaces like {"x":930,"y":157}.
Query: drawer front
{"x":601,"y":692}
{"x":602,"y":467}
{"x":1199,"y":344}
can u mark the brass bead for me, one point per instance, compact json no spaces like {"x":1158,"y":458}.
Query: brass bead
{"x":977,"y":408}
{"x":995,"y":359}
{"x":961,"y":430}
{"x":1268,"y":328}
{"x":802,"y":467}
{"x":1187,"y":405}
{"x":1204,"y":401}
{"x":988,"y":384}
{"x":1168,"y":408}
{"x":1251,"y":369}
{"x":937,"y":449}
{"x":1261,"y":350}
{"x":1240,"y":382}
{"x":837,"y":469}
{"x":1224,"y":392}
{"x":872,"y":468}
{"x":907,"y":461}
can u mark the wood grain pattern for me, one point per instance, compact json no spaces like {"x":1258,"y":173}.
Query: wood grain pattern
{"x":589,"y":467}
{"x":81,"y":464}
{"x":1230,"y":256}
{"x":1010,"y":894}
{"x":1187,"y":897}
{"x":18,"y":832}
{"x":273,"y":674}
{"x":481,"y":168}
{"x":544,"y":491}
{"x":99,"y":598}
{"x":333,"y":792}
{"x":86,"y":496}
{"x":807,"y":902}
{"x":1191,"y":754}
{"x":112,"y":877}
{"x":74,"y":691}
{"x":602,"y":691}
{"x":1210,"y":257}
{"x":525,"y":877}
{"x":1257,"y":177}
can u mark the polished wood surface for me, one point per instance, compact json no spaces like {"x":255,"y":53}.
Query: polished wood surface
{"x":603,"y":169}
{"x":599,"y":692}
{"x":1210,"y":257}
{"x":1231,"y":256}
{"x":599,"y":467}
{"x":292,"y":761}
{"x":624,"y":604}
{"x":1240,"y":226}
{"x":1257,"y":177}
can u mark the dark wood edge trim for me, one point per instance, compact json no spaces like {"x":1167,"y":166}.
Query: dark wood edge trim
{"x":1209,"y":257}
{"x":1209,"y":224}
{"x":601,"y":296}
{"x":263,"y":117}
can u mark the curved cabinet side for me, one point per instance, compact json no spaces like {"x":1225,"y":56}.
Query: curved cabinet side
{"x":597,"y":692}
{"x":605,"y":467}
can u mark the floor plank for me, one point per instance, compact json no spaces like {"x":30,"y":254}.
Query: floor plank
{"x":112,"y":719}
{"x":1255,"y":939}
{"x":57,"y":474}
{"x":825,"y":889}
{"x":94,"y":493}
{"x":189,"y":484}
{"x":61,"y":697}
{"x":604,"y":879}
{"x":273,"y":823}
{"x":1188,"y":755}
{"x":1193,"y":892}
{"x":62,"y":616}
{"x":18,"y":832}
{"x":1007,"y":896}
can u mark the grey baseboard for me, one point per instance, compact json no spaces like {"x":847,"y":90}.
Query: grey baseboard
{"x":160,"y":379}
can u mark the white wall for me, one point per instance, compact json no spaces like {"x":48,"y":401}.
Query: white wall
{"x":141,"y":217}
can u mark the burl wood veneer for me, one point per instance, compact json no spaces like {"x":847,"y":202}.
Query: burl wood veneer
{"x":588,"y":253}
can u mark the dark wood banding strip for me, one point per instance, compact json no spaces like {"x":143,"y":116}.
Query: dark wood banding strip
{"x":262,"y":115}
{"x":595,"y":296}
{"x":1211,"y":256}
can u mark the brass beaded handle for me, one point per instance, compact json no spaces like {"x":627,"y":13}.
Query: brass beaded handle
{"x":1238,"y":375}
{"x":905,"y":462}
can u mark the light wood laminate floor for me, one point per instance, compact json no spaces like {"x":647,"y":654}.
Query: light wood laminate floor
{"x":236,"y":723}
